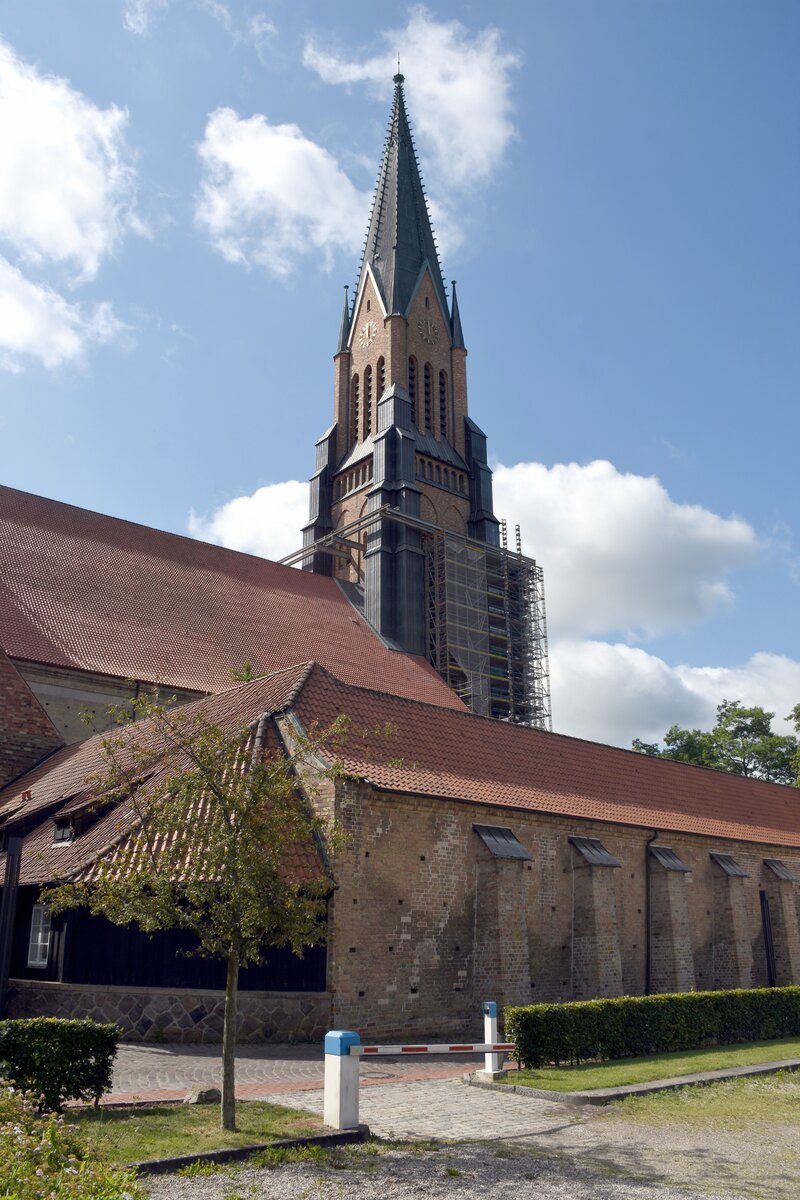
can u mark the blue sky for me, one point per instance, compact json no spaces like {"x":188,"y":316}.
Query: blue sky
{"x":616,"y":188}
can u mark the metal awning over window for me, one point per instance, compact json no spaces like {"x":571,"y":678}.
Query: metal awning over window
{"x":780,"y":869}
{"x":668,"y":858}
{"x":729,"y":865}
{"x":501,"y":842}
{"x":594,"y":852}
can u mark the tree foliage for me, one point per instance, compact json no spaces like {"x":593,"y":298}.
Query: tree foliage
{"x":216,"y":837}
{"x":742,"y":742}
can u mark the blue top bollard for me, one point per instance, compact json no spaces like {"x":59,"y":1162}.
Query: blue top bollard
{"x":489,"y":1008}
{"x":339,"y":1041}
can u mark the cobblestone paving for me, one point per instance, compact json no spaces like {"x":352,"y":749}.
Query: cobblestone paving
{"x":165,"y":1072}
{"x":448,"y":1109}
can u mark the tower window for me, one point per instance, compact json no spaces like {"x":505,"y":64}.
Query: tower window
{"x":428,"y":386}
{"x":354,"y":410}
{"x":443,"y":404}
{"x":427,"y":302}
{"x":412,"y":388}
{"x":369,"y":305}
{"x":381,"y":376}
{"x":367,"y":401}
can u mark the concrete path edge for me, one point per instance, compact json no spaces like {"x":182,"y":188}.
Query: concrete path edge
{"x":165,"y":1166}
{"x":610,"y":1095}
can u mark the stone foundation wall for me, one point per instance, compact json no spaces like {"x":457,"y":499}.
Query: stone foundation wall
{"x":164,"y":1015}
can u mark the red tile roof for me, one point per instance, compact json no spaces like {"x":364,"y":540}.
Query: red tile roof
{"x":404,"y":746}
{"x":58,"y":786}
{"x":458,"y":755}
{"x":82,"y":590}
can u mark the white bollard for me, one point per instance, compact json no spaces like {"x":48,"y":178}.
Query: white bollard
{"x":493,"y":1063}
{"x":340,"y":1104}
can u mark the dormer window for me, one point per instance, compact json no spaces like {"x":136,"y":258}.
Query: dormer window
{"x":63,"y":831}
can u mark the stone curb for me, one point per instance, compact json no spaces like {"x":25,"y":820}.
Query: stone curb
{"x":609,"y":1095}
{"x":164,"y":1166}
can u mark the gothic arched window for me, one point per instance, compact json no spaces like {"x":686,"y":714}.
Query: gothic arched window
{"x":355,"y":413}
{"x":428,"y":388}
{"x":367,"y":401}
{"x":412,"y":388}
{"x":443,"y":404}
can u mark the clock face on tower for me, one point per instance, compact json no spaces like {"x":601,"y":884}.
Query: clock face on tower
{"x":429,"y":331}
{"x":367,"y":334}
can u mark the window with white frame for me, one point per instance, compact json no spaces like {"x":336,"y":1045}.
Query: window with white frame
{"x":39,"y":944}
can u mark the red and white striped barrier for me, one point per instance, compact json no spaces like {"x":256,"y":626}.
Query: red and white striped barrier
{"x":343,"y":1050}
{"x":444,"y":1048}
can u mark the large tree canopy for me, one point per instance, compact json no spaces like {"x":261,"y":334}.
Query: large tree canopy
{"x":217,"y":836}
{"x":742,"y":742}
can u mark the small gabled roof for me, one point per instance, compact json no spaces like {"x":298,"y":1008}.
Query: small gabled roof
{"x":400,"y":238}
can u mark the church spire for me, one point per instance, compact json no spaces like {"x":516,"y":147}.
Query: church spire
{"x":456,"y":334}
{"x":344,"y":327}
{"x":400,"y":239}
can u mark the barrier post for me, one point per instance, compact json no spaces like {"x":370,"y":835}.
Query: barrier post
{"x":340,"y":1103}
{"x":493,"y":1063}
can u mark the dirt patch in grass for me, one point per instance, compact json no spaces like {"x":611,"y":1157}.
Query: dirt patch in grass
{"x":128,"y":1135}
{"x":624,"y":1071}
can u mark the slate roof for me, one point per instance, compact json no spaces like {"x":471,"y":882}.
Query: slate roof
{"x":446,"y":754}
{"x":86,"y":591}
{"x":400,"y":238}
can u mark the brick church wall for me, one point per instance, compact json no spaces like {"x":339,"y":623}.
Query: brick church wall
{"x":425,"y":924}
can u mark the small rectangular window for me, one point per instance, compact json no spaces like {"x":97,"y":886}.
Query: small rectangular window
{"x":39,"y":945}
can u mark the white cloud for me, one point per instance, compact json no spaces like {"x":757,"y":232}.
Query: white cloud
{"x":267,"y":523}
{"x":37,"y":323}
{"x":458,"y":86}
{"x":67,"y":192}
{"x":614,"y":693}
{"x":619,"y":555}
{"x":67,"y":184}
{"x":137,"y":14}
{"x":270,"y":195}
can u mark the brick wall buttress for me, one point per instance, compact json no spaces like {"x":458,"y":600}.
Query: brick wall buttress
{"x":596,"y":945}
{"x":785,"y":929}
{"x":671,"y":955}
{"x":732,"y":944}
{"x":502,"y":951}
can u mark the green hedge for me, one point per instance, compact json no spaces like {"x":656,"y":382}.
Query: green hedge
{"x":58,"y":1060}
{"x":632,"y":1026}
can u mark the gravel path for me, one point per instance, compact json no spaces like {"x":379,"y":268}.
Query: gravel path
{"x":486,"y":1170}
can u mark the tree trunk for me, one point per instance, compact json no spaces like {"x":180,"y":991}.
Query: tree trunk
{"x":228,"y":1107}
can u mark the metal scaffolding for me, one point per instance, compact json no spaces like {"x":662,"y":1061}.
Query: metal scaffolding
{"x":487,"y":627}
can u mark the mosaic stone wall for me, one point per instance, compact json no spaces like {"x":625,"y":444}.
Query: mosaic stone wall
{"x":163,"y":1015}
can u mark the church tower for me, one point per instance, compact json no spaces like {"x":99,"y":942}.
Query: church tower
{"x":401,"y":496}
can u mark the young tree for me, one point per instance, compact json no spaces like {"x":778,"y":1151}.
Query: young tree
{"x":216,"y":838}
{"x":741,"y":743}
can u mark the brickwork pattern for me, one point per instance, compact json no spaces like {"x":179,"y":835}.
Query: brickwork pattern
{"x":671,"y":955}
{"x":27,"y":735}
{"x":163,"y":1015}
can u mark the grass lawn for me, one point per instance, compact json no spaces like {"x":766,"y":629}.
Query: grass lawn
{"x":766,"y":1106}
{"x":126,"y":1135}
{"x":622,"y":1071}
